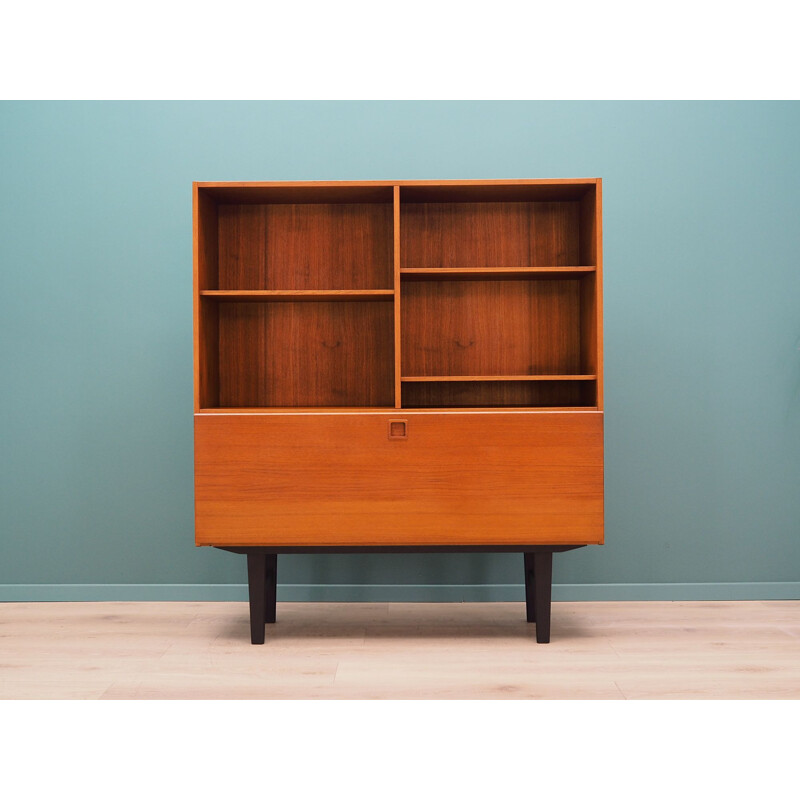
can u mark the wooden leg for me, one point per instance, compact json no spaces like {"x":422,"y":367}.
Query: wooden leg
{"x":270,"y":586}
{"x":530,"y":595}
{"x":543,"y":585}
{"x":256,"y":579}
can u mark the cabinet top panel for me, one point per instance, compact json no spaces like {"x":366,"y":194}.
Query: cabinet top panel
{"x":382,"y":191}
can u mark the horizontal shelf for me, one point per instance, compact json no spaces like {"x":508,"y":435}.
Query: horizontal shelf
{"x":297,"y":410}
{"x":494,"y":273}
{"x":293,"y":295}
{"x":311,"y":410}
{"x":464,"y":378}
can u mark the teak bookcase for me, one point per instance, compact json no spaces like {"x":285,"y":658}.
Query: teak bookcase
{"x":398,"y":365}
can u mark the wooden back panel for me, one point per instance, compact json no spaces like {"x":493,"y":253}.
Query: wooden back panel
{"x":306,"y":354}
{"x":504,"y":327}
{"x":306,"y":246}
{"x":490,"y":234}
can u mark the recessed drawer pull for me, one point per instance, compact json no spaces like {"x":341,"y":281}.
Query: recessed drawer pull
{"x":398,"y":429}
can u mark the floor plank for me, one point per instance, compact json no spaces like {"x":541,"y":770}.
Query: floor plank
{"x":609,"y":650}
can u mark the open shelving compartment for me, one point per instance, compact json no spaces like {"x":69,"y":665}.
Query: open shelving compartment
{"x":295,"y":297}
{"x":383,"y":296}
{"x":488,"y":343}
{"x":499,"y":300}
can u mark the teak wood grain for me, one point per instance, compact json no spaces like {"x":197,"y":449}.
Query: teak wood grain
{"x":397,"y":299}
{"x":443,"y":378}
{"x":517,"y":189}
{"x":206,"y":327}
{"x":482,"y":235}
{"x":361,"y":410}
{"x":493,"y":273}
{"x":472,"y":310}
{"x":596,"y":340}
{"x":499,"y":393}
{"x":305,"y":246}
{"x":287,"y":235}
{"x":491,"y":327}
{"x":293,"y":295}
{"x":306,"y":354}
{"x":457,"y":478}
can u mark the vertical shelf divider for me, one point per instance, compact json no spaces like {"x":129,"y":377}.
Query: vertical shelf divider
{"x":398,"y":390}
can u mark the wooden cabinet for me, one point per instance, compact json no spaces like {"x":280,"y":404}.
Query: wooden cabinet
{"x":390,"y":365}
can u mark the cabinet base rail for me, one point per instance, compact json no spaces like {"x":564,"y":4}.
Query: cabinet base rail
{"x":262,"y":577}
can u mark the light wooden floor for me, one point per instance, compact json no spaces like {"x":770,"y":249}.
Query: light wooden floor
{"x":394,"y":650}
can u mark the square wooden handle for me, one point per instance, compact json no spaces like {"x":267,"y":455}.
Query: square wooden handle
{"x":398,"y":429}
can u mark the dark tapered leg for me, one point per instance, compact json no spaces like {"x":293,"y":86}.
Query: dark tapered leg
{"x":270,"y":586}
{"x":256,"y":579}
{"x":543,"y":585}
{"x":530,"y":594}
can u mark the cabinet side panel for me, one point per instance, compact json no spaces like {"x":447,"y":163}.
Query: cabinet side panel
{"x":588,"y":228}
{"x":206,"y":276}
{"x":591,"y":289}
{"x":588,"y":324}
{"x":599,"y":290}
{"x":456,"y":478}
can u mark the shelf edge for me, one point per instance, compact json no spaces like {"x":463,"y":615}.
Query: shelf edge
{"x":468,"y":378}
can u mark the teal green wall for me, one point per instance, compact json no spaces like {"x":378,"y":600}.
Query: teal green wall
{"x":702,"y":327}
